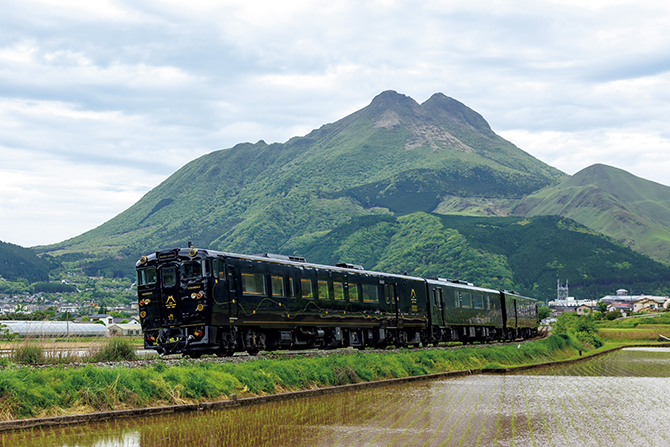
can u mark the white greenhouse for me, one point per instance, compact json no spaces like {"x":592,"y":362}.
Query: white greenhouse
{"x":54,"y":329}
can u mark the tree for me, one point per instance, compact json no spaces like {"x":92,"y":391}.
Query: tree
{"x":582,"y":327}
{"x":602,"y":306}
{"x":543,"y":312}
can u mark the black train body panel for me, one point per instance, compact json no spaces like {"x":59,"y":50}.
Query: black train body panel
{"x":195,"y":302}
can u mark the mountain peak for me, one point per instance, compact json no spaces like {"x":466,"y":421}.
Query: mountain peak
{"x":440,"y":104}
{"x":394,"y":101}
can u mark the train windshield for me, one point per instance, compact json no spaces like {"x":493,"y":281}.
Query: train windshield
{"x":191,"y":269}
{"x":146,"y":276}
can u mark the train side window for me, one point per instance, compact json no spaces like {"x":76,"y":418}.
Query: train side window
{"x":370,"y":293}
{"x":253,"y":284}
{"x":277,"y":284}
{"x":291,"y":287}
{"x":478,"y":300}
{"x":353,"y":292}
{"x":466,"y":300}
{"x":323,"y":289}
{"x":217,"y":266}
{"x":306,"y":286}
{"x":338,"y":291}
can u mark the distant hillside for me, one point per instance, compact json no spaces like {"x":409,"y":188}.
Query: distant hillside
{"x":632,"y":210}
{"x":17,"y":262}
{"x":393,"y":157}
{"x":527,"y":255}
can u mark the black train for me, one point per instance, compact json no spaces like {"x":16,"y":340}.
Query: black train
{"x":196,"y":302}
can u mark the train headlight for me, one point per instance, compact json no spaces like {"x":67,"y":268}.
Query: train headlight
{"x":200,"y":294}
{"x":194,"y":295}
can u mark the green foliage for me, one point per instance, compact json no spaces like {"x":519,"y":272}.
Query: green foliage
{"x":17,"y":262}
{"x":543,"y":312}
{"x":30,"y":353}
{"x":582,"y":327}
{"x":612,"y":315}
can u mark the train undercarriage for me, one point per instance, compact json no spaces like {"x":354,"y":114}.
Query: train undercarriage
{"x":196,"y":341}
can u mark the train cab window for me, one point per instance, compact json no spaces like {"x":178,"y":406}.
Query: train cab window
{"x":277,"y":285}
{"x":478,"y":300}
{"x":191,"y":269}
{"x":323,"y":289}
{"x":306,"y":286}
{"x":169,"y":277}
{"x":353,"y":292}
{"x":253,"y":284}
{"x":370,"y":293}
{"x":146,"y":276}
{"x":466,"y":300}
{"x":338,"y":291}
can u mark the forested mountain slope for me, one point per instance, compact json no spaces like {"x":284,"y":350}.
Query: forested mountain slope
{"x":632,"y":210}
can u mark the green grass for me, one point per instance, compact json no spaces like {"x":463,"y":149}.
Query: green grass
{"x":27,"y":392}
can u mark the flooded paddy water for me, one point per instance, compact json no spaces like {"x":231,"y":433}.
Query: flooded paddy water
{"x":616,"y":399}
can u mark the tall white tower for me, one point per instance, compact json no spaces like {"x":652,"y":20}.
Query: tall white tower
{"x":561,"y":292}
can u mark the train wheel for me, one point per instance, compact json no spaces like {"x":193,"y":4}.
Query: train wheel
{"x":253,"y":351}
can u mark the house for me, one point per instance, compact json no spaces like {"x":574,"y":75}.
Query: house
{"x":646,"y":305}
{"x":107,"y":319}
{"x":583,"y":310}
{"x":125,"y":329}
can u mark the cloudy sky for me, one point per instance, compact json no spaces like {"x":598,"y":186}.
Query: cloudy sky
{"x":102,"y":100}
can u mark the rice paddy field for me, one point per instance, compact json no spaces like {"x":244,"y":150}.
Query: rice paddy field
{"x":616,"y":399}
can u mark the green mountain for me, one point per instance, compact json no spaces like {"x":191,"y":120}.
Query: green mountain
{"x":632,"y":210}
{"x":394,"y":156}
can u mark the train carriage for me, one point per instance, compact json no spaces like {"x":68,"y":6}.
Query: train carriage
{"x":203,"y":301}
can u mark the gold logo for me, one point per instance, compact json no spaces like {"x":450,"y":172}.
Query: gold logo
{"x":170,"y":303}
{"x":143,"y":314}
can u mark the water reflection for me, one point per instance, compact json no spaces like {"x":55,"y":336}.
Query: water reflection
{"x":611,"y":400}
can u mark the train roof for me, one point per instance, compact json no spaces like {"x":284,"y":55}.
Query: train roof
{"x":275,"y":259}
{"x":300,"y":262}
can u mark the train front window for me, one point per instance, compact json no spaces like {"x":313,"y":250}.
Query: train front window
{"x":146,"y":276}
{"x":191,"y":269}
{"x":169,"y":277}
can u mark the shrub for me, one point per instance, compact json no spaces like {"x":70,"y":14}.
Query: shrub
{"x":612,"y":315}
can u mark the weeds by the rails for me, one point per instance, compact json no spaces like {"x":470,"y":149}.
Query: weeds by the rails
{"x":32,"y":351}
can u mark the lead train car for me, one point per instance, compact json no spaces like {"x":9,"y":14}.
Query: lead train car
{"x":196,"y":302}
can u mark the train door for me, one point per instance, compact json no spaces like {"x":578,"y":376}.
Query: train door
{"x":170,"y":296}
{"x":232,"y":291}
{"x":443,"y":306}
{"x":390,"y":294}
{"x":437,"y":311}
